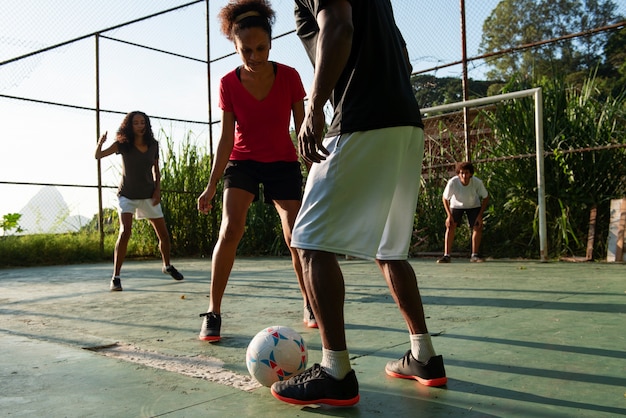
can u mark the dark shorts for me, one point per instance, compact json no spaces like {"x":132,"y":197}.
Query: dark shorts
{"x":281,"y":180}
{"x":472,"y":214}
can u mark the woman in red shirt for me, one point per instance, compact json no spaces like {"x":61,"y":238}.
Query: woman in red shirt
{"x":257,"y":100}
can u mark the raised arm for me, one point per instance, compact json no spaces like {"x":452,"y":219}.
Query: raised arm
{"x":100,"y":153}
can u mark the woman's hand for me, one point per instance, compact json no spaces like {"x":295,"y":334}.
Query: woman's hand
{"x":156,"y":197}
{"x":204,"y":201}
{"x":102,"y":139}
{"x":100,"y":153}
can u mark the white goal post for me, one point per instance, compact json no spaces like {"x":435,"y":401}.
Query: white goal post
{"x":541,"y":191}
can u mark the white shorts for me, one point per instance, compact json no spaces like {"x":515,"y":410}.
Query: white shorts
{"x":361,"y":200}
{"x":142,"y":208}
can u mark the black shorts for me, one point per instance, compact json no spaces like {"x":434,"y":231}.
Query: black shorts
{"x":281,"y":180}
{"x":472,"y":214}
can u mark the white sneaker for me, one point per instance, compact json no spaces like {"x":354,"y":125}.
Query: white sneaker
{"x":309,"y":318}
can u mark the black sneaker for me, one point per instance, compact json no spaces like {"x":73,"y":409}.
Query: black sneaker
{"x":210,"y":327}
{"x":171,"y":270}
{"x":431,"y":373}
{"x":315,"y":386}
{"x":116,"y":284}
{"x":444,"y":259}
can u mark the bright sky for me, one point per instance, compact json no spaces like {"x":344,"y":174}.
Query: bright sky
{"x":50,"y":144}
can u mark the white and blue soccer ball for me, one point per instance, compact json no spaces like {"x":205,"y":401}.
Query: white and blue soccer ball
{"x":276,"y":353}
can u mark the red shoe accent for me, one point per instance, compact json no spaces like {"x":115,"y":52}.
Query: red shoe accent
{"x":211,"y":339}
{"x":440,"y":381}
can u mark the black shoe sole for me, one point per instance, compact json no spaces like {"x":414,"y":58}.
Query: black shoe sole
{"x":326,"y":401}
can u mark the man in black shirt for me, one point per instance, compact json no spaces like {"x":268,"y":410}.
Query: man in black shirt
{"x":362,"y":189}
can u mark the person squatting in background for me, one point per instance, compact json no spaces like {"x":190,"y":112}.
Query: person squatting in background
{"x":466,"y":195}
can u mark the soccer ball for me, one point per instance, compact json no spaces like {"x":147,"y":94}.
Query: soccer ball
{"x":276,"y":353}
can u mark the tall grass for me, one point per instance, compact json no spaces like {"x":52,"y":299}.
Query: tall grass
{"x":184,"y":175}
{"x":574,"y":119}
{"x":578,"y":177}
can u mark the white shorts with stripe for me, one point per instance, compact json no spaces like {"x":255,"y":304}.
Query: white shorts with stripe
{"x":361,"y":200}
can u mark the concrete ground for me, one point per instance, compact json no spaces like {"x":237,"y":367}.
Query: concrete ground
{"x":519,"y":339}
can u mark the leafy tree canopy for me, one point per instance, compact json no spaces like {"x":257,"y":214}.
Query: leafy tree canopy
{"x":514,"y":23}
{"x":10,"y":221}
{"x":613,"y":72}
{"x":432,"y":91}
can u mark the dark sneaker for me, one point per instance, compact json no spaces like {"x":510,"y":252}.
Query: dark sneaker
{"x":309,"y":318}
{"x":171,"y":270}
{"x":315,"y":386}
{"x":116,"y":284}
{"x":475,"y":258}
{"x":431,"y":373}
{"x":210,"y":327}
{"x":444,"y":259}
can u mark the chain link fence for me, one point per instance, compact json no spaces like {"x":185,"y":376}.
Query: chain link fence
{"x":69,"y":71}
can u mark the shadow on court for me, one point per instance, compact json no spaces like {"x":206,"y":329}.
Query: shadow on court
{"x":519,"y":339}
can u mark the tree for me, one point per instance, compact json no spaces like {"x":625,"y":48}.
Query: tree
{"x":614,"y":69}
{"x":432,"y":91}
{"x":514,"y":23}
{"x":11,"y":221}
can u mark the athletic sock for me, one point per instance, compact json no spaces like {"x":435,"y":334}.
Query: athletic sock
{"x":422,"y":347}
{"x":336,"y":363}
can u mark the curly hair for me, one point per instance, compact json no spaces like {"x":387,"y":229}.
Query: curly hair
{"x":465,"y":166}
{"x":125,"y":132}
{"x":233,"y":21}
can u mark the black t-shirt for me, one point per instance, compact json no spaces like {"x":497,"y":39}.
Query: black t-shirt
{"x":374,"y":90}
{"x":137,"y":178}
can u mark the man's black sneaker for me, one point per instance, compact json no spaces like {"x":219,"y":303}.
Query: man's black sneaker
{"x":431,"y":373}
{"x":315,"y":386}
{"x":211,"y":325}
{"x":444,"y":259}
{"x":171,"y":270}
{"x":116,"y":284}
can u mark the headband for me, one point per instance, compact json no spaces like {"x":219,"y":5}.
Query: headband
{"x":246,"y":14}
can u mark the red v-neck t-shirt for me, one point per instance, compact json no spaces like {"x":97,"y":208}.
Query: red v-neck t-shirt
{"x":262,"y":126}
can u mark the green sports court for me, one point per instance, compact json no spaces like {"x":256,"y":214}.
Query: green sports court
{"x":519,"y":339}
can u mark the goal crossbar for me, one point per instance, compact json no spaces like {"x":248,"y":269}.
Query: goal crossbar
{"x":541,"y":191}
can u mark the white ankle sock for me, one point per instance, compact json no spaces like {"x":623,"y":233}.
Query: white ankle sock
{"x":422,"y":347}
{"x":336,"y":363}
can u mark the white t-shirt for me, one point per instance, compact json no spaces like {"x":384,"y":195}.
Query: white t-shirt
{"x":465,"y":197}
